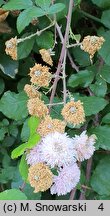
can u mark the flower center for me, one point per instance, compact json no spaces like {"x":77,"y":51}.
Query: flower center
{"x":49,"y":126}
{"x":36,"y":178}
{"x":72,"y":109}
{"x":58,"y":147}
{"x":9,"y":45}
{"x":38,"y":73}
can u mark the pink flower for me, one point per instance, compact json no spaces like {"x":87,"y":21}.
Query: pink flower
{"x":84,"y":146}
{"x":34,"y":156}
{"x":67,"y":179}
{"x":57,"y":150}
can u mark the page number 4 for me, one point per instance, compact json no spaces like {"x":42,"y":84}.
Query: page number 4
{"x":101,"y":207}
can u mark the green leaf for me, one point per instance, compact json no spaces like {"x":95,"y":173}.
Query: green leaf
{"x":2,"y":86}
{"x":83,"y":78}
{"x":18,"y":5}
{"x":13,"y":130}
{"x":14,"y":105}
{"x":102,"y":3}
{"x":105,"y":73}
{"x":3,"y":131}
{"x":23,"y":168}
{"x":33,"y":123}
{"x":33,"y":140}
{"x":25,"y":48}
{"x":105,"y":49}
{"x":7,"y":174}
{"x":46,"y":40}
{"x":25,"y":133}
{"x":12,"y":194}
{"x":100,"y":180}
{"x":55,"y":8}
{"x":1,"y":2}
{"x":27,"y":16}
{"x":22,"y":83}
{"x":44,"y":4}
{"x":18,"y":151}
{"x":99,"y":88}
{"x":106,"y":18}
{"x":8,"y":66}
{"x":81,"y":57}
{"x":106,"y":119}
{"x":93,"y":105}
{"x":103,"y":136}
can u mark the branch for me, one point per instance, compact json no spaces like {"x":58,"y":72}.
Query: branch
{"x":38,"y":33}
{"x":62,"y":51}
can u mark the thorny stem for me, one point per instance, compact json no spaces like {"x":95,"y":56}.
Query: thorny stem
{"x":73,"y":65}
{"x":55,"y":104}
{"x":64,"y":78}
{"x":62,"y":51}
{"x":38,"y":33}
{"x":73,"y":45}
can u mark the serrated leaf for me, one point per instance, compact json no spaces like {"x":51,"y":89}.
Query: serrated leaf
{"x":14,"y":105}
{"x":81,"y":57}
{"x":44,"y":4}
{"x":103,"y":136}
{"x":100,"y":180}
{"x":83,"y":78}
{"x":23,"y":168}
{"x":8,"y":66}
{"x":18,"y":5}
{"x":55,"y":8}
{"x":27,"y":16}
{"x":24,"y":48}
{"x":99,"y":88}
{"x":12,"y":194}
{"x":105,"y":73}
{"x":93,"y":105}
{"x":46,"y":40}
{"x":1,"y":2}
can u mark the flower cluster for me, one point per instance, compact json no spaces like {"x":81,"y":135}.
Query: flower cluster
{"x":92,"y":44}
{"x":60,"y":152}
{"x":53,"y":161}
{"x":11,"y":48}
{"x":73,"y":112}
{"x":40,"y":75}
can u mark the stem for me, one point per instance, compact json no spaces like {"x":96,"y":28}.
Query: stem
{"x":62,"y":51}
{"x":90,"y":16}
{"x":55,"y":104}
{"x":73,"y":65}
{"x":72,"y":194}
{"x":38,"y":33}
{"x":74,"y":45}
{"x":64,"y":78}
{"x":22,"y":186}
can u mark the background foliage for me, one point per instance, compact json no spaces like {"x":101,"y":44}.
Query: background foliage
{"x":91,"y":84}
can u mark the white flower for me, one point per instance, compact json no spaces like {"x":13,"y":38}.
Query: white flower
{"x":57,"y":150}
{"x":84,"y":146}
{"x":67,"y":179}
